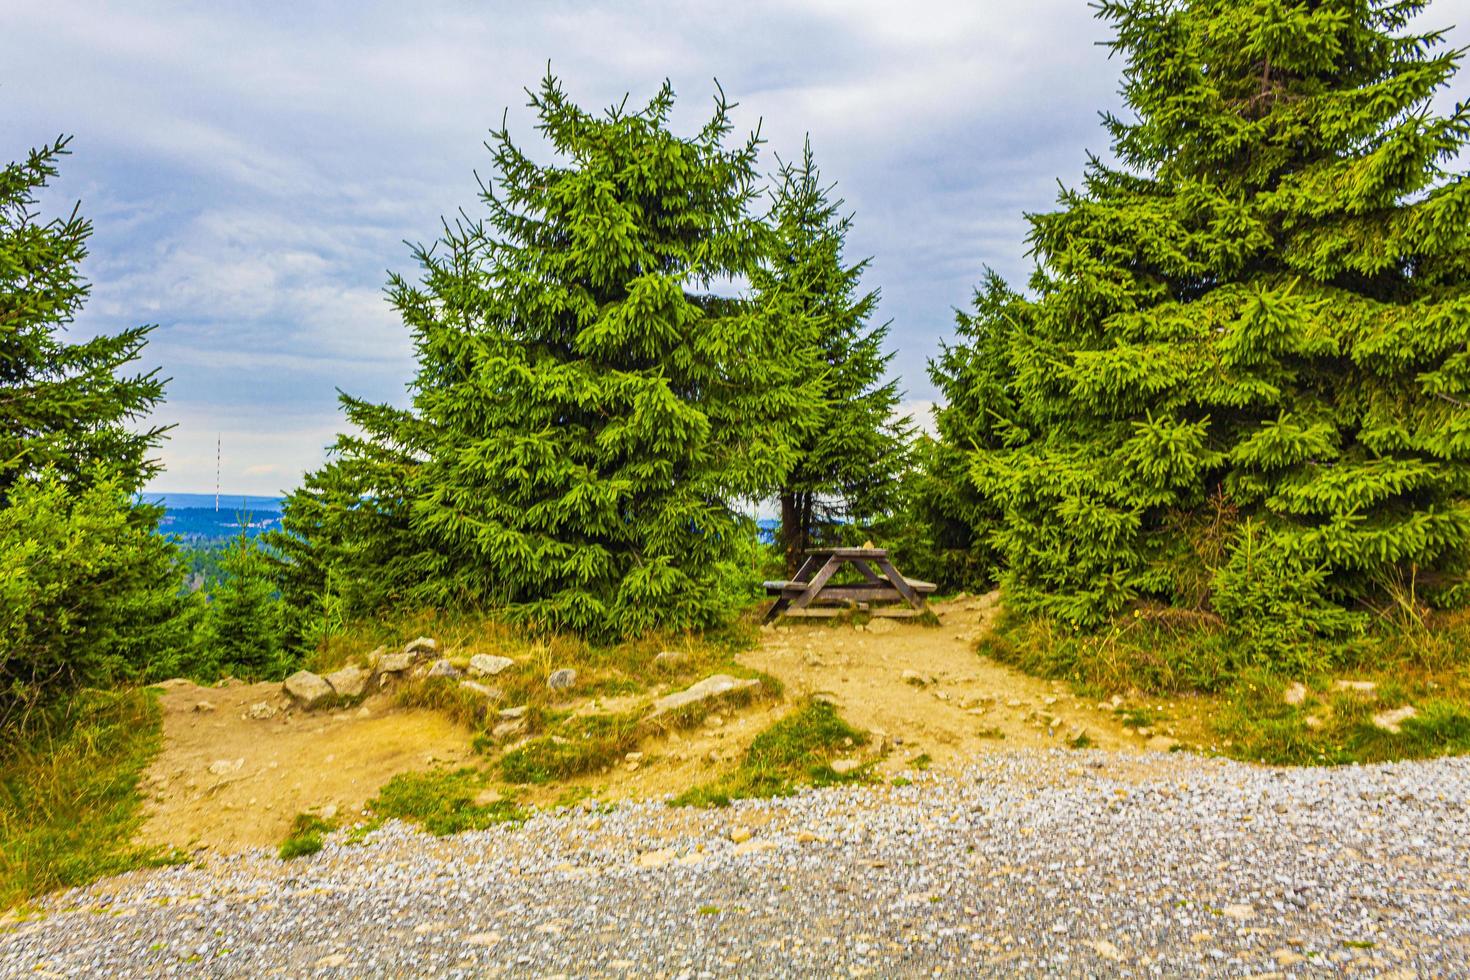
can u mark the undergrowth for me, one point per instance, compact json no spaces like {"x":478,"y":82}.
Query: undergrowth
{"x":69,"y":798}
{"x":797,"y":750}
{"x":1241,"y":701}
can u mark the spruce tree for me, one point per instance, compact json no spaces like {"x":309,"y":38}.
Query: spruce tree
{"x":242,"y":632}
{"x":1241,"y":387}
{"x":88,"y":589}
{"x":587,"y":409}
{"x":852,"y":450}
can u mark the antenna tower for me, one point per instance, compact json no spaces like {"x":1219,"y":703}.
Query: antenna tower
{"x":217,"y":441}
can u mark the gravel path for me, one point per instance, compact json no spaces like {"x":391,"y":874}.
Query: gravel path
{"x":1053,"y":863}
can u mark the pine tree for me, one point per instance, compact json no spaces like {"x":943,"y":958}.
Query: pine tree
{"x":849,"y":456}
{"x":241,"y":634}
{"x":88,"y":590}
{"x":1242,"y":387}
{"x":587,"y":411}
{"x":66,"y":406}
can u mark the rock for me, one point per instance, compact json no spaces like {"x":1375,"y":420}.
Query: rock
{"x":1106,"y":949}
{"x":349,"y":682}
{"x":329,"y":812}
{"x":1162,"y":743}
{"x":1295,"y":694}
{"x":485,"y":665}
{"x":881,"y":625}
{"x":260,"y":711}
{"x":308,"y":689}
{"x":483,"y":938}
{"x":1356,"y":687}
{"x":633,"y":757}
{"x":375,"y":656}
{"x":740,"y":835}
{"x":394,"y":663}
{"x":204,"y":707}
{"x":844,"y":766}
{"x":519,"y":711}
{"x":1240,"y":913}
{"x":655,"y":859}
{"x":488,"y":693}
{"x":443,"y":668}
{"x":1390,"y":721}
{"x":1313,"y":722}
{"x":223,"y":767}
{"x":561,"y":679}
{"x":506,"y":729}
{"x":424,"y":644}
{"x":668,"y":658}
{"x":711,"y":687}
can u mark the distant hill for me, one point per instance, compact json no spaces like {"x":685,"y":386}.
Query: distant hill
{"x":193,"y":517}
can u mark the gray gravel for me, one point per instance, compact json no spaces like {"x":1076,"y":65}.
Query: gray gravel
{"x":1060,"y":863}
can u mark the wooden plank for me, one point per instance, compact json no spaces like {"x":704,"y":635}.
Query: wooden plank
{"x":876,"y":590}
{"x":850,"y":552}
{"x":886,"y":567}
{"x":866,"y":569}
{"x":820,"y":579}
{"x":895,"y":612}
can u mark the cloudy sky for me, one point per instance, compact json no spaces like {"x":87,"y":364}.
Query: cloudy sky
{"x":253,"y":170}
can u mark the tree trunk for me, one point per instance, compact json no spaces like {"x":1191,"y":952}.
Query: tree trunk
{"x":792,"y":531}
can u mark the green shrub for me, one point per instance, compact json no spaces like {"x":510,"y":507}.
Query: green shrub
{"x":443,"y":802}
{"x":307,"y":836}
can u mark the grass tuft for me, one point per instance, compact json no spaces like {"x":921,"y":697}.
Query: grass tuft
{"x":69,"y":799}
{"x":308,"y":835}
{"x":443,"y":802}
{"x":797,"y":750}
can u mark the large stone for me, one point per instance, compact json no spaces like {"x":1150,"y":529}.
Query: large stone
{"x":1356,"y":687}
{"x":484,"y":665}
{"x":1390,"y":721}
{"x":424,"y":644}
{"x":308,"y":689}
{"x":1295,"y":694}
{"x":394,"y":663}
{"x":508,"y":728}
{"x":260,"y":711}
{"x":349,"y":682}
{"x":708,"y":689}
{"x":561,"y":680}
{"x":443,"y":668}
{"x":669,"y":658}
{"x":509,"y":714}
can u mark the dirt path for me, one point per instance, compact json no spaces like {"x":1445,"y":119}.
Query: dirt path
{"x":229,"y":781}
{"x":927,"y":690}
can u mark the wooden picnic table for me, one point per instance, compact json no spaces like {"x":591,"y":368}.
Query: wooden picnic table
{"x":879,"y":594}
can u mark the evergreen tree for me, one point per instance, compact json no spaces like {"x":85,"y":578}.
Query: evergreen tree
{"x":586,"y":412}
{"x":1242,"y":386}
{"x":853,"y":449}
{"x":88,"y":590}
{"x":66,"y":406}
{"x":242,"y":632}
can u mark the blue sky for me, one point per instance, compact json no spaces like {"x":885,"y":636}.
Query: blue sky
{"x":253,"y":170}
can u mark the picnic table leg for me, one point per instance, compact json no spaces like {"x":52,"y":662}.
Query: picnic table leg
{"x":819,"y":580}
{"x":803,"y":574}
{"x":867,"y":571}
{"x":901,"y":584}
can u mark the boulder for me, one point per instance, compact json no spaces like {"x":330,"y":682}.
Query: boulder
{"x":424,"y":644}
{"x":308,"y":689}
{"x":484,"y":665}
{"x":668,"y":658}
{"x":561,"y":680}
{"x":1356,"y":687}
{"x":508,"y":728}
{"x":519,"y":711}
{"x":711,"y":687}
{"x":349,"y":682}
{"x":1295,"y":694}
{"x":443,"y":668}
{"x":394,"y":663}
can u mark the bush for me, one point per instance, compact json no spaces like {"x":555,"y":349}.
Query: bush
{"x":89,"y":593}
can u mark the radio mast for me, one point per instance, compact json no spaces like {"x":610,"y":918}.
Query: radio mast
{"x":218,"y":439}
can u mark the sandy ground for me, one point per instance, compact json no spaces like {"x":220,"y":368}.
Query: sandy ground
{"x":228,"y":781}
